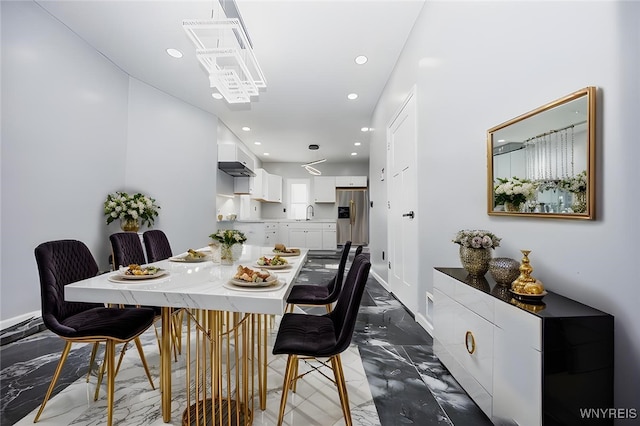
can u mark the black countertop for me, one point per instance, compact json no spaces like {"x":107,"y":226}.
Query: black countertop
{"x":552,"y":305}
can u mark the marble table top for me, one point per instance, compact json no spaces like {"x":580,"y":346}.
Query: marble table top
{"x":203,"y":285}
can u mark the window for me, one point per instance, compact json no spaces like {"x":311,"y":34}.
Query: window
{"x":298,"y":198}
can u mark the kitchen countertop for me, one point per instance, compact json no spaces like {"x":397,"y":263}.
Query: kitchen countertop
{"x":285,"y":221}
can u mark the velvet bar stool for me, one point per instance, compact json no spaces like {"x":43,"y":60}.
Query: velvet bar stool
{"x":322,"y":293}
{"x":307,"y":336}
{"x":61,"y":263}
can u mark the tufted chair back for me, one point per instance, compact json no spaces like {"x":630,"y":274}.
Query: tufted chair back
{"x":157,"y":245}
{"x":126,"y":249}
{"x":60,"y":263}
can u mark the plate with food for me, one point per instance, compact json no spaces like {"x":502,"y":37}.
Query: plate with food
{"x":191,"y":256}
{"x":283,"y":251}
{"x":248,"y":277}
{"x":528,"y":296}
{"x":137,"y":273}
{"x":275,"y":262}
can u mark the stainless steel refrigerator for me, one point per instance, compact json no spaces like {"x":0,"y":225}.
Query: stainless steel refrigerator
{"x":353,"y":216}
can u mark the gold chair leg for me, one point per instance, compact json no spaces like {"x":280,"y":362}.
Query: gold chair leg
{"x":288,"y":373}
{"x":144,"y":361}
{"x":110,"y":360}
{"x":100,"y":376}
{"x":94,"y":352}
{"x":54,"y":379}
{"x":338,"y":373}
{"x":328,"y":306}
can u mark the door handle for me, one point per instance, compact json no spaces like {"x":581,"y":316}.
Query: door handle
{"x":411,"y":214}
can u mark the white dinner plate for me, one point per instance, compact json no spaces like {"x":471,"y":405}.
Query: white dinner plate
{"x":285,"y":266}
{"x":275,"y":285}
{"x":283,"y":254}
{"x":189,"y":259}
{"x":271,"y":279}
{"x":132,"y":279}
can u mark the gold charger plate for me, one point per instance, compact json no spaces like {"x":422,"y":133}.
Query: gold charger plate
{"x":293,"y":252}
{"x":271,"y":280}
{"x":286,"y":265}
{"x":273,"y":286}
{"x":189,"y":259}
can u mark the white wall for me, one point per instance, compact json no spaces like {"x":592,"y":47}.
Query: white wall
{"x":75,"y":128}
{"x":478,"y":64}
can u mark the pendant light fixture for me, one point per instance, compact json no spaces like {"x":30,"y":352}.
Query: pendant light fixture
{"x":308,"y":166}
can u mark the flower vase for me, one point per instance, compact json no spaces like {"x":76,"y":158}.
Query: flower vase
{"x":511,"y":207}
{"x":229,"y":253}
{"x":579,"y":202}
{"x":215,"y":251}
{"x":475,"y":260}
{"x":129,"y":225}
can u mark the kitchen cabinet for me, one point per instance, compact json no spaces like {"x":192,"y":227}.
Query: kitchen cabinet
{"x":267,"y":187}
{"x":254,"y":231}
{"x":351,"y":181}
{"x":243,"y":185}
{"x":283,"y":233}
{"x":522,"y":363}
{"x":324,"y":189}
{"x":311,"y":235}
{"x":270,"y":234}
{"x":329,"y":236}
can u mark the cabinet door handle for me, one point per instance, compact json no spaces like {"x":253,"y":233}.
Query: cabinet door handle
{"x":470,"y":342}
{"x":411,"y":214}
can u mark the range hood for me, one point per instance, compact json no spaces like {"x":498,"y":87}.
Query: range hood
{"x":235,"y":169}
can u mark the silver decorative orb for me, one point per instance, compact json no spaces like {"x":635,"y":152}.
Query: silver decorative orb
{"x":504,"y":270}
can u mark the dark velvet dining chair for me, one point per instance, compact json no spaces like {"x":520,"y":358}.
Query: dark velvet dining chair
{"x":157,"y":245}
{"x":307,"y":336}
{"x":64,"y":262}
{"x":322,"y":293}
{"x":126,"y":249}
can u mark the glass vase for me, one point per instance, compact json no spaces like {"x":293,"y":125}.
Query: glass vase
{"x":229,"y":253}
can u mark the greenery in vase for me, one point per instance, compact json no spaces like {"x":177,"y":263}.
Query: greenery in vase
{"x":228,"y":236}
{"x":121,"y":205}
{"x":514,"y":190}
{"x":477,"y":238}
{"x":575,"y":184}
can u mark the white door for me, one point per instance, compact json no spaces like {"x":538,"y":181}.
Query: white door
{"x":403,"y":205}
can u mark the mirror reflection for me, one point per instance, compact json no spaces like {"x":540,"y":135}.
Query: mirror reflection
{"x":541,"y":163}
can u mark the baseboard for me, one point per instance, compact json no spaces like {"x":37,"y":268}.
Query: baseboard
{"x":11,"y":322}
{"x":380,"y":280}
{"x":424,"y":323}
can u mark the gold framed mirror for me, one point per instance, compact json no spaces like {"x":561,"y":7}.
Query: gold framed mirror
{"x":542,"y":163}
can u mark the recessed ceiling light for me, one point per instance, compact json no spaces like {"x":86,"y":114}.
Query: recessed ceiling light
{"x":257,"y":143}
{"x":357,"y":144}
{"x":216,"y":95}
{"x":246,"y":129}
{"x":174,"y":53}
{"x":266,"y":154}
{"x":354,"y":153}
{"x":360,"y":60}
{"x":352,"y":96}
{"x":364,"y":129}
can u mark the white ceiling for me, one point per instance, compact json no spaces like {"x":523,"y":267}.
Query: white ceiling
{"x":306,"y":49}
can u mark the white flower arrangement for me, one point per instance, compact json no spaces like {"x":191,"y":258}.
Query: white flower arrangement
{"x":121,"y":205}
{"x":514,"y":190}
{"x":477,"y":238}
{"x":229,"y":236}
{"x":575,"y":184}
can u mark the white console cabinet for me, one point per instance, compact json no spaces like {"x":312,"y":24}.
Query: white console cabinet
{"x":523,"y":363}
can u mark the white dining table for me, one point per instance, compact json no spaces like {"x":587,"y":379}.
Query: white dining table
{"x":202,"y":285}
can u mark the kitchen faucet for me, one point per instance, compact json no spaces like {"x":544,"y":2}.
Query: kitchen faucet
{"x":312,"y":212}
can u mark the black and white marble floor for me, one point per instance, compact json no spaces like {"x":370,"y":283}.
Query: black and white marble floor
{"x":392,"y":376}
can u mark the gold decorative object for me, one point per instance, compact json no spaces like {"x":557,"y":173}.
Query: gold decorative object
{"x":475,"y":260}
{"x":129,"y":225}
{"x":504,"y":270}
{"x":525,"y":283}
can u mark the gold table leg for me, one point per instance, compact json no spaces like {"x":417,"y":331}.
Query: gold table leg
{"x":165,"y":364}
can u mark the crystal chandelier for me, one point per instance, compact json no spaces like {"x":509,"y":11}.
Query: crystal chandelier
{"x":225,"y":51}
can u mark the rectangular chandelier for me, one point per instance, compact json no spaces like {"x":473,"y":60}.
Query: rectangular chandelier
{"x":224,"y":50}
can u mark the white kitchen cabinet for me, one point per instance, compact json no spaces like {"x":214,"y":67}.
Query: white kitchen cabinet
{"x":271,"y":234}
{"x":522,"y":363}
{"x":351,"y":181}
{"x":324,"y":189}
{"x":267,"y":187}
{"x":274,"y":190}
{"x":329,"y":236}
{"x":283,"y":233}
{"x":306,"y":235}
{"x":254,"y":231}
{"x":243,"y":185}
